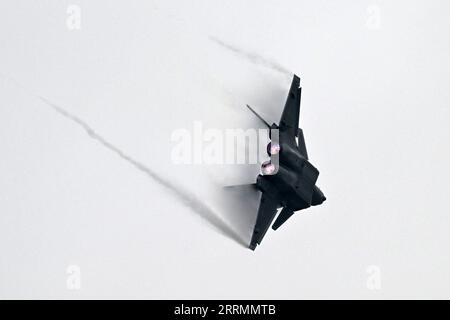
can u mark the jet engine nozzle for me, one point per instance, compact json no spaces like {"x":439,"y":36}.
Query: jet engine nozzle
{"x":267,"y":168}
{"x":273,"y":148}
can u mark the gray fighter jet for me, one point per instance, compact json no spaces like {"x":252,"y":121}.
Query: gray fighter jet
{"x":288,"y":180}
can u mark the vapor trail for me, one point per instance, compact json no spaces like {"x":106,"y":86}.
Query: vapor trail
{"x":253,"y":57}
{"x":188,"y":198}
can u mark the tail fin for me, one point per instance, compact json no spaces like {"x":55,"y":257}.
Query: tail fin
{"x":259,"y":117}
{"x":251,"y":186}
{"x":282,"y":218}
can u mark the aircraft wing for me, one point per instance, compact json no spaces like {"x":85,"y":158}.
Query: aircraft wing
{"x":291,"y":111}
{"x":290,"y":117}
{"x":266,"y":213}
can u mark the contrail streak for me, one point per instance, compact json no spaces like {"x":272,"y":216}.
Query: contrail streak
{"x":253,"y":57}
{"x":188,"y":198}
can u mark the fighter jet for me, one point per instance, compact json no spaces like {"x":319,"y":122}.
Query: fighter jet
{"x":288,"y":179}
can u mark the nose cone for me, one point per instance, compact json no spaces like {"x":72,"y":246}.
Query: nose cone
{"x":318,"y":197}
